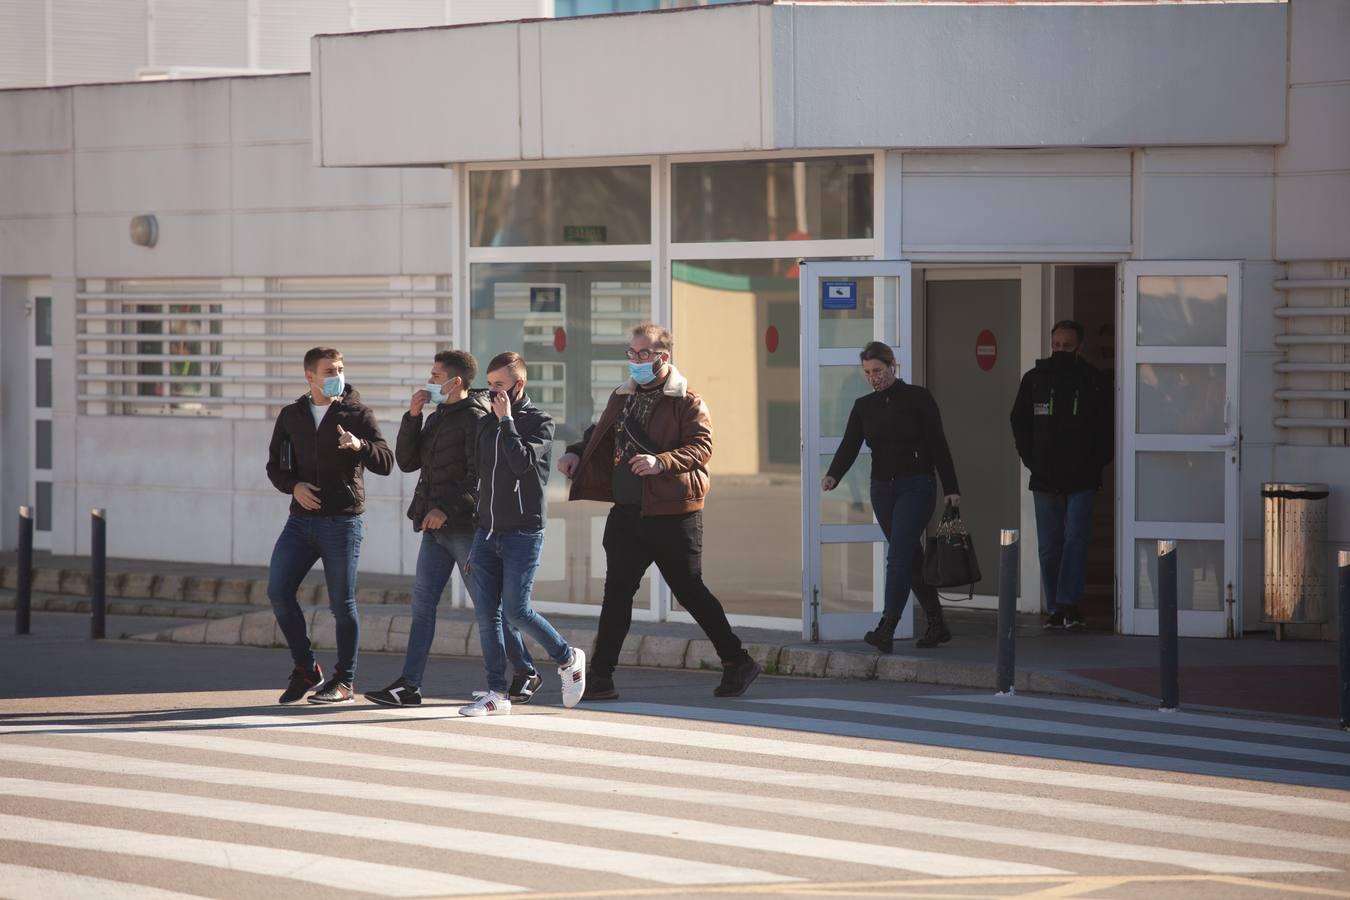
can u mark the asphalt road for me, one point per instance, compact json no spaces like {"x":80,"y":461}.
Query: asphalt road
{"x":160,"y":770}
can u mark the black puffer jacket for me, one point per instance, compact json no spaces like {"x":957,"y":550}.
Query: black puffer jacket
{"x":1063,"y":422}
{"x":443,"y":450}
{"x":299,"y":452}
{"x":513,"y":467}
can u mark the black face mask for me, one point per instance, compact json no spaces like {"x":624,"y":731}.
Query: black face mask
{"x":1063,"y":358}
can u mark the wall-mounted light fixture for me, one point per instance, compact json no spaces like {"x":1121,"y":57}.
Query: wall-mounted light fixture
{"x":144,"y":231}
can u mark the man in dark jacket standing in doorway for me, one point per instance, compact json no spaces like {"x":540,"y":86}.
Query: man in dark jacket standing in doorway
{"x":1062,"y":423}
{"x":321,"y":446}
{"x":648,"y":454}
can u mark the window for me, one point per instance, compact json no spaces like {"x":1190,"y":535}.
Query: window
{"x":175,"y":363}
{"x":820,"y":198}
{"x":556,"y":207}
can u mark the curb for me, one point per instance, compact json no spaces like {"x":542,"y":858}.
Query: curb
{"x":388,"y":633}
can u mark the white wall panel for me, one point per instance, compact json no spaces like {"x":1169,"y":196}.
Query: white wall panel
{"x":1319,"y":128}
{"x":1206,"y":204}
{"x":272,"y":108}
{"x":36,"y":184}
{"x":373,"y":15}
{"x":43,"y":246}
{"x":97,"y":40}
{"x":257,"y":520}
{"x":158,"y":113}
{"x":189,"y":525}
{"x":428,"y":240}
{"x":156,"y":452}
{"x":23,"y":56}
{"x":180,"y":179}
{"x":201,"y":33}
{"x":420,"y":96}
{"x":1312,"y":216}
{"x":282,"y":176}
{"x":36,"y":121}
{"x":285,"y":27}
{"x":1318,"y":36}
{"x":190,"y":246}
{"x":651,"y":84}
{"x":430,"y":186}
{"x":997,"y":75}
{"x":338,"y":242}
{"x":1070,"y":202}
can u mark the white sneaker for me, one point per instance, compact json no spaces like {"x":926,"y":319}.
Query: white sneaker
{"x":573,"y":678}
{"x":490,"y":704}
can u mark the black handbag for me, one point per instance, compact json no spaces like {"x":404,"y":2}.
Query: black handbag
{"x":949,"y":555}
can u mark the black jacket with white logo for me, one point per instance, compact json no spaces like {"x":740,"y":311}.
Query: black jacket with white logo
{"x":513,"y":468}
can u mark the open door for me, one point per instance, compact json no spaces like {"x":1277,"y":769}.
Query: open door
{"x":844,"y":305}
{"x":1180,"y":446}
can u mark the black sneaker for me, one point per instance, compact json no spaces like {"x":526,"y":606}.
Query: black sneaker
{"x":1055,"y":622}
{"x":302,"y":682}
{"x":400,"y":693}
{"x":1073,"y":619}
{"x":523,"y":686}
{"x":334,"y":690}
{"x":736,"y":677}
{"x":599,"y":687}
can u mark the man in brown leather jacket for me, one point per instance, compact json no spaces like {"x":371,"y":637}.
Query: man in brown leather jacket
{"x":648,"y":455}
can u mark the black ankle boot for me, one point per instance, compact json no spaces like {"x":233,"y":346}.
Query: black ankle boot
{"x":936,"y":633}
{"x":883,"y":636}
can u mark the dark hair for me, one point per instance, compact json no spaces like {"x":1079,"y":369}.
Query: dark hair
{"x":508,"y":360}
{"x":1069,"y":325}
{"x":659,"y":336}
{"x":458,"y":363}
{"x":879,"y":351}
{"x":312,"y":357}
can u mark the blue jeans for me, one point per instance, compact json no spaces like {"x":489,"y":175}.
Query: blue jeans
{"x":441,"y":551}
{"x":304,"y":541}
{"x":903,"y":507}
{"x":501,"y":575}
{"x":1063,"y":530}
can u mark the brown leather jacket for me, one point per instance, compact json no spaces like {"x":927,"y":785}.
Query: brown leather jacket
{"x":679,"y":425}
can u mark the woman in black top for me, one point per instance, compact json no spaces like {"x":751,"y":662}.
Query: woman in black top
{"x":901,"y":424}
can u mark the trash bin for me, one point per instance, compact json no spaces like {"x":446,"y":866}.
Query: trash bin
{"x":1297,"y":589}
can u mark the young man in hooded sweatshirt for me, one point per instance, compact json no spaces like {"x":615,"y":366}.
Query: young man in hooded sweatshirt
{"x":321,"y":446}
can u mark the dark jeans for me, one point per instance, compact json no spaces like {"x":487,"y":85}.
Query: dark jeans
{"x":441,"y":551}
{"x":1063,"y":532}
{"x":903,"y":507}
{"x":501,"y":576}
{"x":304,"y":541}
{"x":675,"y":543}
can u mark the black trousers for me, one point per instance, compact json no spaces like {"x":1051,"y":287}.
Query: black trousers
{"x":675,"y":544}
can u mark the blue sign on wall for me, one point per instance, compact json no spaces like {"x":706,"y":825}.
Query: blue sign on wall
{"x":839,"y":294}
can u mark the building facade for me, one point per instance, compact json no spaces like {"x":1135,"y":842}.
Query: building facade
{"x":1176,"y":176}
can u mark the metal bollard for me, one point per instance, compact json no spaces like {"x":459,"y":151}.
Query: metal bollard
{"x":98,"y":573}
{"x":1009,"y":547}
{"x":1343,"y":587}
{"x":23,"y":603}
{"x":1167,"y":625}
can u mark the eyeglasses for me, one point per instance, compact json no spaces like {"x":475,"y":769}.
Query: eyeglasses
{"x":641,"y":355}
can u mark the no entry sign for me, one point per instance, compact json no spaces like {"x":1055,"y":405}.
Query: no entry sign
{"x":986,"y":350}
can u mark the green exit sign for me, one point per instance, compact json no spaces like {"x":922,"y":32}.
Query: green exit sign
{"x":584,"y":234}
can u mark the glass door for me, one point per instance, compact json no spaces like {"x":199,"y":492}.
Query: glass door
{"x":1180,"y":449}
{"x":844,"y":305}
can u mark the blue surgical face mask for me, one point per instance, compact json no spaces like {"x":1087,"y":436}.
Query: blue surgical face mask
{"x":435,"y":391}
{"x":642,"y":373}
{"x":333,"y":385}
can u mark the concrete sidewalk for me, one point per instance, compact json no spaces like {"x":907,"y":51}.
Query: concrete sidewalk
{"x":1253,"y":675}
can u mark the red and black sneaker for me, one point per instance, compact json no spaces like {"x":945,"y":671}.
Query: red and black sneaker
{"x":335,"y":690}
{"x":302,"y":682}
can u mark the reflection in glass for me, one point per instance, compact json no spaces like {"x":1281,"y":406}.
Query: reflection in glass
{"x":42,"y":520}
{"x":840,"y":386}
{"x":571,"y":322}
{"x":43,"y":387}
{"x":773,"y":200}
{"x":850,"y":503}
{"x":174,"y":346}
{"x":1183,"y":310}
{"x":1181,"y":399}
{"x":552,"y":207}
{"x":848,"y":327}
{"x":1179,"y":487}
{"x":1199,"y":575}
{"x":723,"y":312}
{"x":42,"y":458}
{"x":42,"y":323}
{"x":846,"y":572}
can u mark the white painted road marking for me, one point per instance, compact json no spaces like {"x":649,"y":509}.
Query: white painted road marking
{"x":31,"y":883}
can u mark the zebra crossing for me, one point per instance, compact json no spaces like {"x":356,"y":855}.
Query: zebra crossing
{"x":772,"y":795}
